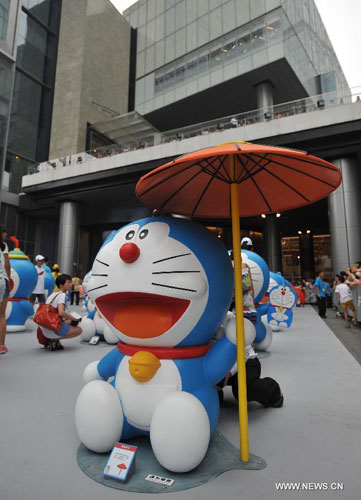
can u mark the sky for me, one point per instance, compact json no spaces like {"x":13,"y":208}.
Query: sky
{"x":342,"y":22}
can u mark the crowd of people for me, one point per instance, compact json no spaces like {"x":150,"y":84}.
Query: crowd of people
{"x":67,"y":290}
{"x":338,"y":294}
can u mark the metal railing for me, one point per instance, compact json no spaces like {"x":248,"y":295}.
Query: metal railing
{"x":279,"y":111}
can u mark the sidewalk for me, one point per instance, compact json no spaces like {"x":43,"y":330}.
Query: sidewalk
{"x":314,"y":438}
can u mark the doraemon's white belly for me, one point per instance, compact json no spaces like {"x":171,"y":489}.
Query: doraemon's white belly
{"x":138,"y":399}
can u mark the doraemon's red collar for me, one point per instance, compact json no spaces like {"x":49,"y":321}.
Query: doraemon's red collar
{"x":166,"y":352}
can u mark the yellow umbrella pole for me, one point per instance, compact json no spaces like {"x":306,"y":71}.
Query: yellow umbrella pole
{"x":241,"y":360}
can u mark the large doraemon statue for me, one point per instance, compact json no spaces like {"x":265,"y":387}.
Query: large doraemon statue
{"x":22,"y":282}
{"x":163,"y":286}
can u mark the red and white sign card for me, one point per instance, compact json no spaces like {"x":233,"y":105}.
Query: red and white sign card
{"x":120,"y":461}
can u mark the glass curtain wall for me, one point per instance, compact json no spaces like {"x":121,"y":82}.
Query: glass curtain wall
{"x":30,"y":120}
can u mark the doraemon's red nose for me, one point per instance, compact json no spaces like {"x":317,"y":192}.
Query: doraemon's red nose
{"x":283,"y":293}
{"x":129,"y":252}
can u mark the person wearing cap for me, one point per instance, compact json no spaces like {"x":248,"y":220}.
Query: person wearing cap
{"x":246,"y":243}
{"x":4,"y":286}
{"x":39,"y":290}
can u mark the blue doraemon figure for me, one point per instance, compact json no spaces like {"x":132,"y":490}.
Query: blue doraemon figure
{"x":163,"y":285}
{"x":49,"y":282}
{"x":23,"y":280}
{"x":260,"y":278}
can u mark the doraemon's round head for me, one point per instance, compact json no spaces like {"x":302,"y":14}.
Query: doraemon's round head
{"x":23,"y":276}
{"x":259,"y":273}
{"x":276,"y":279}
{"x":162,"y":282}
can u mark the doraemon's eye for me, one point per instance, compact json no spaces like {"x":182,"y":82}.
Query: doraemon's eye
{"x":143,"y":234}
{"x":130,"y":235}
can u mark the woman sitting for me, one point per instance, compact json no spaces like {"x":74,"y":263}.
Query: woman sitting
{"x":69,"y":326}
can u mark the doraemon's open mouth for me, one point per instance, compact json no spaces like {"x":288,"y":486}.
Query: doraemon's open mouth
{"x":141,"y":315}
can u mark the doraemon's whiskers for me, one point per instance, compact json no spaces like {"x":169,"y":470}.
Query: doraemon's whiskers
{"x":99,"y":274}
{"x":172,"y":272}
{"x":172,"y":257}
{"x":96,"y":288}
{"x":104,"y":263}
{"x":175,"y":287}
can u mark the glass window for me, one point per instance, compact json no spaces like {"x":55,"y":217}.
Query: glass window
{"x":151,"y":32}
{"x":203,"y":7}
{"x":180,"y":42}
{"x":39,"y":8}
{"x":25,"y":116}
{"x":151,"y":9}
{"x":216,"y":23}
{"x":169,"y":48}
{"x":159,"y":27}
{"x":170,"y":21}
{"x":258,"y":39}
{"x":203,"y":30}
{"x":159,"y":54}
{"x":191,"y":11}
{"x":149,"y":59}
{"x":180,"y":15}
{"x":4,"y":13}
{"x":32,"y":48}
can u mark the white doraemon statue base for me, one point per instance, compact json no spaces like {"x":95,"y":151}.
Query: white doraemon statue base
{"x":163,"y":286}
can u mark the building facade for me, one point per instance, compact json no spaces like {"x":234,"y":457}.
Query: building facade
{"x":168,"y":64}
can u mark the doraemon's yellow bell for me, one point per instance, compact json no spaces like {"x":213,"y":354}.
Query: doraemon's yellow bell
{"x":143,"y":366}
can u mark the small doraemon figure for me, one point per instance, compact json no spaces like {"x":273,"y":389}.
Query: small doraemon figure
{"x":163,"y":286}
{"x":260,"y":278}
{"x":282,"y":300}
{"x":22,"y":282}
{"x":49,"y":281}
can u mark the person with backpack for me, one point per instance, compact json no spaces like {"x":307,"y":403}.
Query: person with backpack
{"x":69,"y":324}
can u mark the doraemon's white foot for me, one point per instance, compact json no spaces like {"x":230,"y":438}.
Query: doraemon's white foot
{"x":273,"y":322}
{"x":98,"y":416}
{"x":180,"y":432}
{"x":283,"y":323}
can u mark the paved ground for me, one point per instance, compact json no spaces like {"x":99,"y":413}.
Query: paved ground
{"x":314,"y":438}
{"x":350,"y":337}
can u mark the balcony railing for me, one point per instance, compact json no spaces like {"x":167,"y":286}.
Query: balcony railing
{"x":277,"y":112}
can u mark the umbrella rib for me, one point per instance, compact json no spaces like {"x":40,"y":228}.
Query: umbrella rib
{"x":224,"y":168}
{"x":286,"y":184}
{"x":300,"y":171}
{"x":215,"y":172}
{"x":167,"y":178}
{"x":302,"y":160}
{"x":205,"y":189}
{"x":179,"y":189}
{"x":252,"y":173}
{"x":256,"y":185}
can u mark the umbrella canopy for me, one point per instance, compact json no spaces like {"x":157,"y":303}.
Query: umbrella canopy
{"x":232,"y":180}
{"x":269,"y":179}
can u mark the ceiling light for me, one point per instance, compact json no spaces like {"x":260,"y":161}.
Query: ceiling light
{"x":299,"y":232}
{"x":278,"y":214}
{"x":263,"y":216}
{"x":308,"y":231}
{"x":271,"y":28}
{"x":298,"y":257}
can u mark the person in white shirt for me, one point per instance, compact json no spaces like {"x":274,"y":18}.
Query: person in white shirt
{"x":344,"y":293}
{"x":39,"y":290}
{"x":4,"y":286}
{"x":69,"y":328}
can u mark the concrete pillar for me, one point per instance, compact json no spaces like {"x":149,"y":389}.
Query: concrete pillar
{"x":307,"y":256}
{"x":272,"y":243}
{"x":344,"y":215}
{"x":265,"y":99}
{"x":68,"y":237}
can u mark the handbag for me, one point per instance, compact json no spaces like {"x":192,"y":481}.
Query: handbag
{"x":47,"y":316}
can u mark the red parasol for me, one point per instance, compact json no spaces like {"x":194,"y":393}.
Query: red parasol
{"x":232,"y":180}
